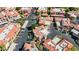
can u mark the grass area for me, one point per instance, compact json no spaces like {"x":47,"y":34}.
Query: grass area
{"x":21,"y":14}
{"x":39,"y":46}
{"x":74,"y":49}
{"x":35,"y":24}
{"x":34,"y":38}
{"x":37,"y":13}
{"x":22,"y":19}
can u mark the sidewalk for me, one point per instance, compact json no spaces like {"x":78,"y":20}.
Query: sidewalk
{"x":12,"y":46}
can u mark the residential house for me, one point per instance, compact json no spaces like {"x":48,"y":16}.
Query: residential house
{"x":38,"y":34}
{"x":9,"y":15}
{"x":66,"y":22}
{"x":43,"y":11}
{"x":8,"y":33}
{"x":57,"y":44}
{"x":41,"y":32}
{"x":45,"y":20}
{"x":26,"y":10}
{"x":57,"y":12}
{"x":30,"y":46}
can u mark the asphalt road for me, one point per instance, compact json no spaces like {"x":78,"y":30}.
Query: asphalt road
{"x":22,"y":37}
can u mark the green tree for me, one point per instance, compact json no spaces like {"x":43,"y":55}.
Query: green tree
{"x":66,"y":15}
{"x":48,"y":10}
{"x":18,"y":8}
{"x":37,"y":13}
{"x":34,"y":25}
{"x":72,"y":9}
{"x":66,"y":9}
{"x":39,"y":46}
{"x":21,"y":21}
{"x":2,"y":48}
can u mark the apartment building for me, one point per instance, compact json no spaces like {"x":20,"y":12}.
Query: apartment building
{"x":57,"y":12}
{"x":58,"y":43}
{"x":26,"y":10}
{"x":43,"y":11}
{"x":9,"y":15}
{"x":8,"y":33}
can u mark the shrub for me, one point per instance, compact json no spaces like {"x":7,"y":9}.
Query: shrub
{"x":2,"y":48}
{"x":18,"y":8}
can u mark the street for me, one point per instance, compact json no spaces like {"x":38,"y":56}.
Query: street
{"x":22,"y":37}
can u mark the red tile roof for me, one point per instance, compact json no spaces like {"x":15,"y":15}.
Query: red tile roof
{"x":37,"y":32}
{"x":76,"y":26}
{"x":49,"y":18}
{"x":44,"y":14}
{"x":43,"y":10}
{"x":66,"y":22}
{"x":27,"y":46}
{"x":47,"y":46}
{"x":2,"y":42}
{"x":26,"y":14}
{"x":1,"y":29}
{"x":38,"y":10}
{"x":12,"y":33}
{"x":53,"y":46}
{"x":41,"y":22}
{"x":58,"y":19}
{"x":8,"y":13}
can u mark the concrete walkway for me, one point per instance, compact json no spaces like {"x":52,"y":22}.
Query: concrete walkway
{"x":12,"y":46}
